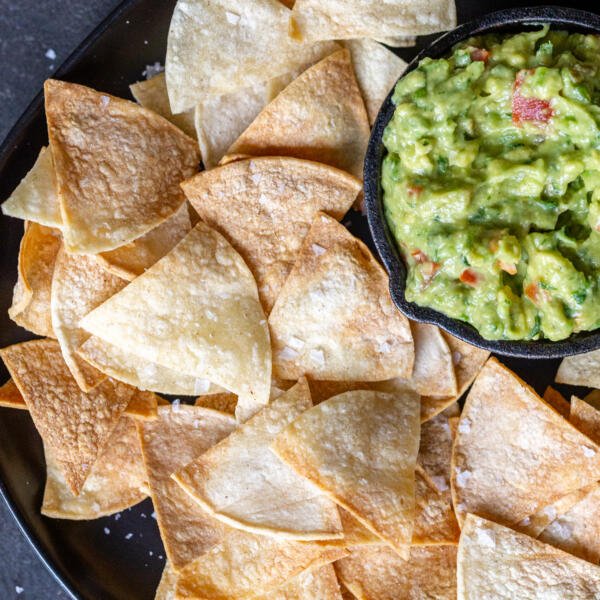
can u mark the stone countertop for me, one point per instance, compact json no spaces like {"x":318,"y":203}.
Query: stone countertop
{"x":35,"y":37}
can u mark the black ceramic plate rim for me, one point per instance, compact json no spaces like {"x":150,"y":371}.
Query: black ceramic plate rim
{"x":63,"y":577}
{"x":565,"y":18}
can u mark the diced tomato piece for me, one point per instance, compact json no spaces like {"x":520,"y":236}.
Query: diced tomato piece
{"x":508,"y":267}
{"x":414,"y":190}
{"x":532,"y":291}
{"x":480,"y":54}
{"x":469,"y":277}
{"x":528,"y":109}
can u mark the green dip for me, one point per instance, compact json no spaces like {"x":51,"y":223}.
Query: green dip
{"x":492,"y":183}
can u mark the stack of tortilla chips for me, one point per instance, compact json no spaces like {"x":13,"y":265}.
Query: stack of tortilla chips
{"x":311,"y":454}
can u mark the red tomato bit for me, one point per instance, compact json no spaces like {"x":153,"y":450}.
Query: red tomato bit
{"x":469,"y":277}
{"x":531,"y":291}
{"x":528,"y":109}
{"x":480,"y":54}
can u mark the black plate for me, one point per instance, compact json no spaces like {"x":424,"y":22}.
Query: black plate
{"x":504,"y":21}
{"x":89,"y":563}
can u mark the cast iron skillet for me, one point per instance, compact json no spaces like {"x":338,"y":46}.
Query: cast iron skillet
{"x":90,"y":564}
{"x":509,"y":21}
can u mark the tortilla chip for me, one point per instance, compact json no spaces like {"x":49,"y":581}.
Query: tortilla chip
{"x":75,"y":426}
{"x":497,"y":562}
{"x":34,"y":199}
{"x":377,"y":70}
{"x":223,"y":402}
{"x":468,"y":361}
{"x":196,"y":311}
{"x":31,"y":296}
{"x":135,"y":258}
{"x":143,"y":374}
{"x":398,"y":41}
{"x":346,"y":19}
{"x":338,"y":292}
{"x":242,"y":483}
{"x":322,"y":390}
{"x":338,"y":445}
{"x":222,"y":46}
{"x":142,"y":406}
{"x":176,"y":437}
{"x":320,"y":116}
{"x":557,"y":401}
{"x":152,"y":94}
{"x":79,"y":285}
{"x":319,"y":583}
{"x":378,"y":573}
{"x":10,"y":396}
{"x":580,"y":369}
{"x":245,"y":565}
{"x":92,"y":136}
{"x":433,"y":370}
{"x":116,"y":482}
{"x":265,"y":207}
{"x":586,"y":418}
{"x":167,"y":584}
{"x":593,"y":399}
{"x":509,"y":439}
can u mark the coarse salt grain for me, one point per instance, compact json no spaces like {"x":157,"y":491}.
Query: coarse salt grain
{"x":50,"y":54}
{"x":19,"y":589}
{"x":462,"y":477}
{"x":288,"y":353}
{"x":440,"y":482}
{"x":295,"y":343}
{"x":152,"y":70}
{"x":201,"y":386}
{"x":464,"y":425}
{"x":232,"y":18}
{"x":485,"y":537}
{"x":104,"y":100}
{"x":175,"y":405}
{"x":588,"y":452}
{"x":317,"y":250}
{"x":317,"y":356}
{"x":129,"y":536}
{"x":106,"y":531}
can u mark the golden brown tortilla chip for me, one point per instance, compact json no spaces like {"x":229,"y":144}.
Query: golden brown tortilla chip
{"x":152,"y":94}
{"x":345,"y":19}
{"x":31,"y":296}
{"x":223,"y":402}
{"x":75,"y":426}
{"x":10,"y":396}
{"x":360,"y":448}
{"x":580,"y":369}
{"x":319,"y":583}
{"x":176,"y":437}
{"x":320,"y":116}
{"x":241,"y":482}
{"x":557,"y":401}
{"x":322,"y":390}
{"x":134,"y":258}
{"x":509,"y":439}
{"x":195,"y":311}
{"x":586,"y":418}
{"x":377,"y":70}
{"x":245,"y":565}
{"x":118,"y":166}
{"x":338,"y":292}
{"x":265,"y":207}
{"x":34,"y":199}
{"x":116,"y":482}
{"x":377,"y":573}
{"x":79,"y":285}
{"x":222,"y":46}
{"x":497,"y":562}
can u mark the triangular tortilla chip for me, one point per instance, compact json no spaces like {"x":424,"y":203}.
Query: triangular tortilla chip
{"x":75,"y":426}
{"x":10,"y":396}
{"x":468,"y":361}
{"x":557,"y":401}
{"x":224,"y":402}
{"x":319,"y":583}
{"x":241,"y":482}
{"x":497,"y":562}
{"x":195,"y":311}
{"x":139,"y":372}
{"x":580,"y":369}
{"x":34,"y":199}
{"x":31,"y":296}
{"x":176,"y":437}
{"x":265,"y":207}
{"x":338,"y":292}
{"x":118,"y":166}
{"x":79,"y":285}
{"x":379,"y":573}
{"x":116,"y":482}
{"x":509,"y":439}
{"x":245,"y":565}
{"x":586,"y":418}
{"x":377,"y":70}
{"x":134,"y":258}
{"x":346,"y":19}
{"x":152,"y":94}
{"x":322,"y":390}
{"x":222,"y":46}
{"x":433,"y":370}
{"x":320,"y":116}
{"x":360,"y":448}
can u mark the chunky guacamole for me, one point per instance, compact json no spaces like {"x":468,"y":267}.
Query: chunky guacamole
{"x":492,"y":183}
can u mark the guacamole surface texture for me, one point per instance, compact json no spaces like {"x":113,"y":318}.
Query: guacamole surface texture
{"x":492,"y":183}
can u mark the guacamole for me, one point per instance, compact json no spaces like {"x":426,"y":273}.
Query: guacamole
{"x":492,"y":183}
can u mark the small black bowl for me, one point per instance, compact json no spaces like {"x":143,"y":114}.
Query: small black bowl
{"x":509,"y":21}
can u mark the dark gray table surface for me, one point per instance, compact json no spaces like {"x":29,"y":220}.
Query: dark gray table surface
{"x":35,"y":37}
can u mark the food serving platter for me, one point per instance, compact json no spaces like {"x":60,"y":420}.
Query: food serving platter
{"x":120,"y":556}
